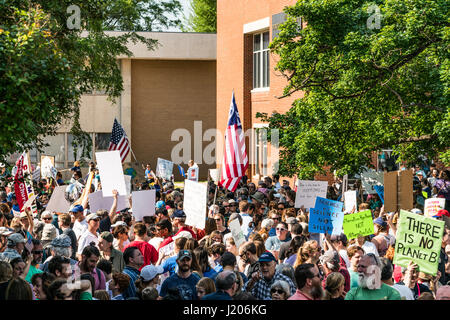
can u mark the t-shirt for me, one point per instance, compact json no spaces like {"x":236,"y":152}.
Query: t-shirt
{"x":273,"y":243}
{"x":105,"y":224}
{"x":32,"y":271}
{"x":79,"y":228}
{"x":148,"y":251}
{"x":384,"y":293}
{"x":353,"y":278}
{"x":186,"y":286}
{"x":404,"y":291}
{"x":156,"y":241}
{"x":86,"y":238}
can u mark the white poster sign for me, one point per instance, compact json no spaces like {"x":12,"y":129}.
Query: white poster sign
{"x":47,"y":167}
{"x":350,"y":201}
{"x":193,"y":173}
{"x":236,"y":232}
{"x":371,"y":178}
{"x":58,"y":202}
{"x":215,"y":175}
{"x":194,"y":203}
{"x":128,"y":183}
{"x":164,"y":169}
{"x":432,"y":206}
{"x":111,"y":172}
{"x":143,"y":203}
{"x":308,"y":190}
{"x":98,"y":202}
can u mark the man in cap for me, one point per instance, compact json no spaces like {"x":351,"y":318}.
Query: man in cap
{"x":151,"y":274}
{"x":80,"y":225}
{"x":49,"y":232}
{"x":184,"y":280}
{"x":330,"y":262}
{"x":382,"y":238}
{"x":90,"y":235}
{"x":260,"y":283}
{"x":178,"y":223}
{"x":108,"y":252}
{"x":60,"y":246}
{"x":14,"y":247}
{"x":257,"y":197}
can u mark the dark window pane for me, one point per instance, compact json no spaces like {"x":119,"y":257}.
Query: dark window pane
{"x":256,"y":42}
{"x":265,"y":40}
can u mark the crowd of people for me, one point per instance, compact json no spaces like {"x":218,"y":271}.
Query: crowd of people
{"x":108,"y":255}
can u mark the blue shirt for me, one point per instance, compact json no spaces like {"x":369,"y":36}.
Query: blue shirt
{"x":210,"y":273}
{"x":186,"y":286}
{"x":218,"y":295}
{"x":131,"y":290}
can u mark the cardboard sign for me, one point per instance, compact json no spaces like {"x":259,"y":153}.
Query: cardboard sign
{"x":194,"y":203}
{"x":143,"y":203}
{"x":58,"y":202}
{"x":308,"y":190}
{"x":236,"y":232}
{"x":164,"y":169}
{"x":419,"y":239}
{"x":390,"y":191}
{"x":405,"y":190}
{"x":371,"y":178}
{"x":193,"y":173}
{"x":432,"y":206}
{"x":98,"y":202}
{"x":111,"y":173}
{"x":215,"y":175}
{"x":48,"y":167}
{"x":350,"y":201}
{"x":358,"y":224}
{"x":326,"y":217}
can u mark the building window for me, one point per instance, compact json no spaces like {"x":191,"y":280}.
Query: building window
{"x":70,"y":149}
{"x":261,"y":60}
{"x":56,"y":148}
{"x":102,"y":141}
{"x":261,"y":151}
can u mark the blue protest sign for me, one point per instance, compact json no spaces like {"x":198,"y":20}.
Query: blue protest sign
{"x":327,"y":216}
{"x":380,"y":191}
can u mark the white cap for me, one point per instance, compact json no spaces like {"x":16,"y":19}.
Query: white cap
{"x":183,"y":234}
{"x":149,"y":272}
{"x":119,"y":223}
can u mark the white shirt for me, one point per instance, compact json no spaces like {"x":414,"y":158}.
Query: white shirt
{"x":369,"y":247}
{"x":246,"y":219}
{"x":405,"y":292}
{"x":344,"y":256}
{"x":86,"y":238}
{"x":79,"y":228}
{"x":116,"y":244}
{"x":156,"y":241}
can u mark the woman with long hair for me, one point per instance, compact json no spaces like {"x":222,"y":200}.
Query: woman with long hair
{"x":308,"y":253}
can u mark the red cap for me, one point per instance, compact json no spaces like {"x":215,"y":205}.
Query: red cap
{"x":442,"y":212}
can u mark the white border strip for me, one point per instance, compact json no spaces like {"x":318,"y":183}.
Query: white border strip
{"x":257,"y":25}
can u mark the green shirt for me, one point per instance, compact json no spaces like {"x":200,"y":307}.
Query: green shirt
{"x":85,"y":296}
{"x":384,"y":293}
{"x":32,"y":271}
{"x":353,"y":279}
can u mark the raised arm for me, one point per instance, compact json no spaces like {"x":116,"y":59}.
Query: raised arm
{"x":112,"y":211}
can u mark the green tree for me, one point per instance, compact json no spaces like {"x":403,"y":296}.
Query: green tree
{"x":366,"y":87}
{"x":47,"y":61}
{"x":203,"y":16}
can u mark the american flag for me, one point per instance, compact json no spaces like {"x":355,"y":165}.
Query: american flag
{"x":235,"y":160}
{"x":119,"y":140}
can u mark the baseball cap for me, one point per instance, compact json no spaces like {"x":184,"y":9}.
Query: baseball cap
{"x":15,"y":238}
{"x":266,"y":257}
{"x":77,"y":208}
{"x":291,"y":220}
{"x":183,"y":234}
{"x":179,"y":214}
{"x":23,"y":214}
{"x":416,"y":211}
{"x":107,"y":236}
{"x":379,"y":221}
{"x":150,"y":271}
{"x":49,"y":232}
{"x":92,"y":216}
{"x":119,"y":223}
{"x":61,"y":241}
{"x":184,"y":254}
{"x":160,"y":204}
{"x":4,"y":231}
{"x":441,"y":213}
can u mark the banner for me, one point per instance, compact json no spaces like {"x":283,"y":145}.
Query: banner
{"x":194,"y":203}
{"x":48,"y":167}
{"x":326,"y":217}
{"x":418,"y":239}
{"x":371,"y":178}
{"x":111,"y":173}
{"x":308,"y":190}
{"x":98,"y":202}
{"x":143,"y":203}
{"x":23,"y":187}
{"x":164,"y":169}
{"x":58,"y":202}
{"x":358,"y":224}
{"x":432,"y":206}
{"x":350,"y":201}
{"x":236,"y":232}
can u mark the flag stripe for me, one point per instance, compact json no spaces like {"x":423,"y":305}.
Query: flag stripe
{"x":119,"y":141}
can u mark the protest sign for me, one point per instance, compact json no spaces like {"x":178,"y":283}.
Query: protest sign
{"x":371,"y":178}
{"x":164,"y":169}
{"x":419,"y":239}
{"x":23,"y":187}
{"x":326,"y":216}
{"x":358,"y":224}
{"x":143,"y":203}
{"x":48,"y":167}
{"x":215,"y":175}
{"x":98,"y":202}
{"x":405,"y":190}
{"x":194,"y":203}
{"x":308,"y":190}
{"x":29,"y":202}
{"x":111,"y":173}
{"x":390,"y":191}
{"x":236,"y":232}
{"x":58,"y":202}
{"x":350,"y":201}
{"x":128,"y":183}
{"x":193,"y":172}
{"x":380,"y":192}
{"x":433,"y":205}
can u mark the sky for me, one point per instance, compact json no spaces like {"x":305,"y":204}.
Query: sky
{"x":185,"y":4}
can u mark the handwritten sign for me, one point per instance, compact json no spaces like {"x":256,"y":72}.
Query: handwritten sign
{"x":164,"y":169}
{"x":350,"y":201}
{"x":308,"y":190}
{"x":111,"y":173}
{"x":358,"y":224}
{"x":371,"y":178}
{"x":236,"y":232}
{"x":143,"y":203}
{"x":326,"y":216}
{"x":419,"y":239}
{"x":194,"y":203}
{"x":433,"y":205}
{"x":193,"y":173}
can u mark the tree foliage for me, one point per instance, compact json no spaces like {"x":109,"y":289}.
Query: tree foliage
{"x":203,"y":17}
{"x":46,"y":65}
{"x":365,"y":88}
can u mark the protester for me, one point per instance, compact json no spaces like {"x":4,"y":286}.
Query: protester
{"x":334,"y":286}
{"x":134,"y":260}
{"x":205,"y":286}
{"x":308,"y":280}
{"x":108,"y":252}
{"x":226,"y":286}
{"x":148,"y":251}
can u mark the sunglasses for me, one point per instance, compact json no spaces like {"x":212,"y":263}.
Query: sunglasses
{"x":279,"y":291}
{"x":218,"y":219}
{"x":281,"y":229}
{"x":276,"y":218}
{"x":47,"y":218}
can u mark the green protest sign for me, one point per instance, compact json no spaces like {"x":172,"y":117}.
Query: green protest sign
{"x":418,"y":239}
{"x":358,"y":224}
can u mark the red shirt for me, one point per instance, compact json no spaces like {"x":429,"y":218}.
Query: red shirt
{"x":168,"y":240}
{"x":186,"y":228}
{"x":148,"y":251}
